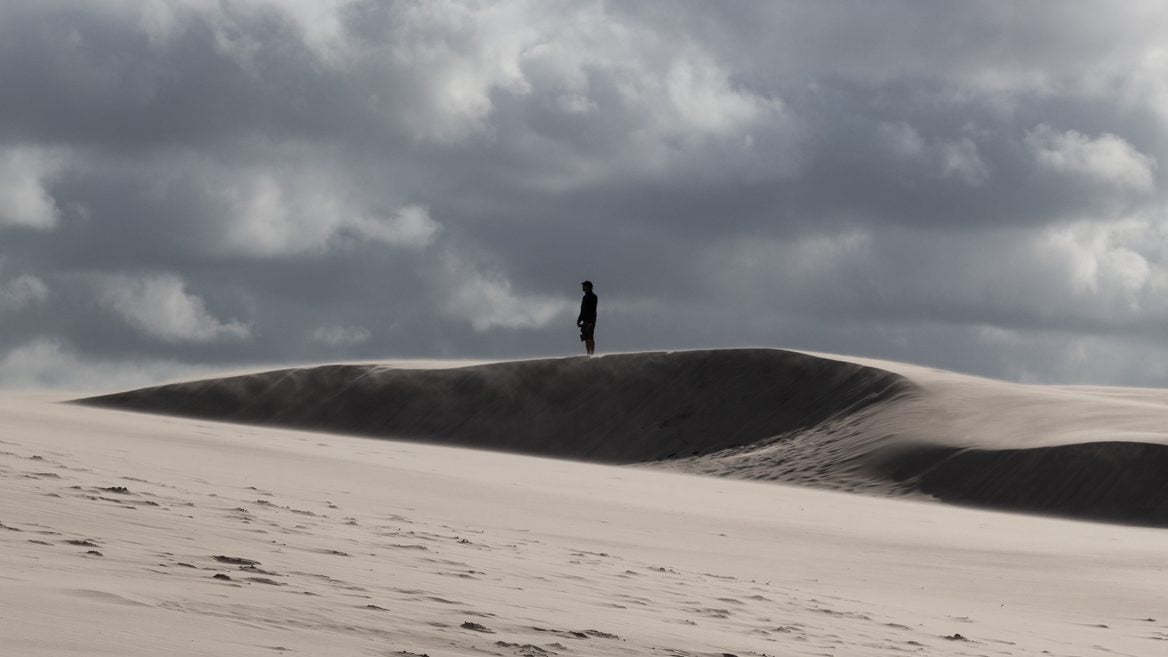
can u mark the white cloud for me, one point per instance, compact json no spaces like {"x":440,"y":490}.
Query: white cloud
{"x":956,"y":159}
{"x":1107,"y":275}
{"x":47,"y":364}
{"x":1082,"y":277}
{"x":704,"y":100}
{"x":284,"y":211}
{"x":440,"y":71}
{"x":160,"y":307}
{"x":21,"y":292}
{"x":24,"y":199}
{"x":411,"y":226}
{"x":442,"y":66}
{"x":487,"y":299}
{"x":1106,"y":158}
{"x":448,"y":58}
{"x":341,"y":336}
{"x":960,"y":159}
{"x":267,"y":214}
{"x":318,"y":22}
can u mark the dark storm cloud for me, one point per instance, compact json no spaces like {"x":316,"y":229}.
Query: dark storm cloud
{"x":977,"y":186}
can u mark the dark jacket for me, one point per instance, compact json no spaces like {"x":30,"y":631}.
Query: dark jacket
{"x":587,"y":309}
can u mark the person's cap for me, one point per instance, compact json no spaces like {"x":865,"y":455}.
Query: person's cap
{"x":587,"y":283}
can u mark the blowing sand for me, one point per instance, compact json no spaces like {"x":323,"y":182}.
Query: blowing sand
{"x":132,"y":535}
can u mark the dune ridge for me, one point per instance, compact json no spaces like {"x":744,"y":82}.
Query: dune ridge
{"x":765,"y":414}
{"x":623,"y":408}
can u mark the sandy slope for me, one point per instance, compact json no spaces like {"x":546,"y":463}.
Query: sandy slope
{"x":368,"y":547}
{"x":1098,"y":453}
{"x":825,"y":421}
{"x":622,"y":408}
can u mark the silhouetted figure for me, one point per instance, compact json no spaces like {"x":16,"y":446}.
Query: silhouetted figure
{"x":587,"y":319}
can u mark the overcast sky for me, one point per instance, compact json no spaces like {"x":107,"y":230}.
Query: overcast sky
{"x":194,"y":185}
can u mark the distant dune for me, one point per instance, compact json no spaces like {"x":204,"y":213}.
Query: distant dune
{"x":833,"y":422}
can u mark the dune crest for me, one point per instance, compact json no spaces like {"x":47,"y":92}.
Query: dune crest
{"x":623,"y":408}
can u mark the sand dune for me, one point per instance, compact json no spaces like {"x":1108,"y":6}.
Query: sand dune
{"x":860,"y":426}
{"x":622,"y":408}
{"x":136,"y":535}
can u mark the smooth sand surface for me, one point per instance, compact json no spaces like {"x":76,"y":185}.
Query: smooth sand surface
{"x":119,"y":531}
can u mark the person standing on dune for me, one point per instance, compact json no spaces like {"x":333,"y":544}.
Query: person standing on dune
{"x":587,"y":318}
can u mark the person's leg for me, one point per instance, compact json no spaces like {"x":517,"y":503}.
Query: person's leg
{"x":586,"y":333}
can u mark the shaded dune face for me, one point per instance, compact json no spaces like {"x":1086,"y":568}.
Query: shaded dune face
{"x":746,"y":413}
{"x":623,"y":408}
{"x":1109,"y":481}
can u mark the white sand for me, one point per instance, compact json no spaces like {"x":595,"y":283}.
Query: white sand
{"x":384,"y":548}
{"x":977,"y":412}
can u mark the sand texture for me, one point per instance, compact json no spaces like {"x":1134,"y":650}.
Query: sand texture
{"x":134,"y":535}
{"x":823,"y":421}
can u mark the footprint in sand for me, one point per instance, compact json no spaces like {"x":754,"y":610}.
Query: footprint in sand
{"x":525,"y":649}
{"x":713,"y":612}
{"x":235,"y":561}
{"x":476,"y":627}
{"x":41,"y":475}
{"x":469,"y":574}
{"x":405,"y":546}
{"x":579,"y":634}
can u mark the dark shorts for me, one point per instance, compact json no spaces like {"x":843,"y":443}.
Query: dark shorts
{"x":586,"y":330}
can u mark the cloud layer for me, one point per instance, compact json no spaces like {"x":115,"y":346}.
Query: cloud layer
{"x":977,"y":186}
{"x":160,"y":308}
